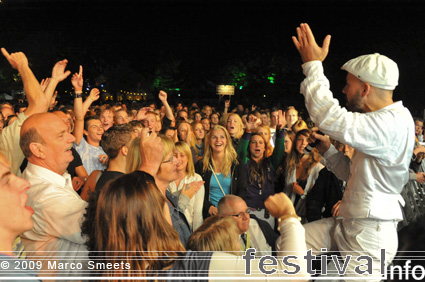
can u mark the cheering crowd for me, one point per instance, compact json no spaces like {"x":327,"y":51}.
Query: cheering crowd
{"x":186,"y":190}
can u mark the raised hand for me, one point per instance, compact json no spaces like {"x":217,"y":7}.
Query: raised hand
{"x":58,"y":72}
{"x":77,"y":80}
{"x":151,"y":150}
{"x":162,"y":96}
{"x":281,"y":119}
{"x":307,"y":46}
{"x":94,"y":94}
{"x":141,"y":114}
{"x":252,"y":123}
{"x":16,"y":60}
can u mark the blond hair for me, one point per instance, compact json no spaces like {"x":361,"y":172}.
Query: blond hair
{"x":134,"y":159}
{"x":230,"y":155}
{"x":218,"y":233}
{"x":184,"y":148}
{"x":239,"y":122}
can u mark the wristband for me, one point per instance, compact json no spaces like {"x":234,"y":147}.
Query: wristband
{"x":286,"y":216}
{"x":78,"y":95}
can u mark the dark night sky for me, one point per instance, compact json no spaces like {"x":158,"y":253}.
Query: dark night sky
{"x":207,"y":34}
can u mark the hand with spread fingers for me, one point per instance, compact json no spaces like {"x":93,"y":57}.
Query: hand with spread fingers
{"x":307,"y":46}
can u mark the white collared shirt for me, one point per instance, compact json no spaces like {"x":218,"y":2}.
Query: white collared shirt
{"x":383,"y":140}
{"x":58,"y":214}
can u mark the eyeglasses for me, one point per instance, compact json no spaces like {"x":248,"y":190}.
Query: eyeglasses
{"x":241,"y":214}
{"x":170,"y":160}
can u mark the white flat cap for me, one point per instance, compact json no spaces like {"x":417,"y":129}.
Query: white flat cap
{"x":375,"y":69}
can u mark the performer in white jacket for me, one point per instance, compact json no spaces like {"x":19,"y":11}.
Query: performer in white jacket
{"x":382,"y":133}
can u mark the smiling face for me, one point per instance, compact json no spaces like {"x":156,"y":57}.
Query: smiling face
{"x":15,"y":217}
{"x":291,"y":117}
{"x":257,"y":147}
{"x":181,"y":160}
{"x":301,"y":143}
{"x":167,"y":172}
{"x":288,"y":145}
{"x":214,"y":119}
{"x":218,"y":140}
{"x":94,"y":131}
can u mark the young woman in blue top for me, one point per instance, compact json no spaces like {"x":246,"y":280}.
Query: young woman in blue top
{"x":220,"y":169}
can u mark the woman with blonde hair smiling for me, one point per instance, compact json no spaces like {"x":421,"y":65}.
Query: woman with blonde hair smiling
{"x":222,"y":172}
{"x":188,"y":186}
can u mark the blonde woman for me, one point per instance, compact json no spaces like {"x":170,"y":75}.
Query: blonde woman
{"x":218,"y":233}
{"x":234,"y":126}
{"x":134,"y":159}
{"x":186,"y":134}
{"x":166,"y":174}
{"x":188,"y":186}
{"x":219,"y":168}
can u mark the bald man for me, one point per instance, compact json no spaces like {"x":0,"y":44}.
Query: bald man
{"x":46,"y":142}
{"x":255,"y":233}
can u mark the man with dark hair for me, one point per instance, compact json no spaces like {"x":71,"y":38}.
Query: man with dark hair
{"x":91,"y":153}
{"x":114,"y":141}
{"x":47,"y":142}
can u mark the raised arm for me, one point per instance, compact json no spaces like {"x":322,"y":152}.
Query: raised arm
{"x":58,"y":74}
{"x":93,"y":96}
{"x":37,"y":101}
{"x":168,"y":112}
{"x":77,"y":82}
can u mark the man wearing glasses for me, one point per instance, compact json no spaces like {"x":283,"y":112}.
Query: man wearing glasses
{"x":255,"y":233}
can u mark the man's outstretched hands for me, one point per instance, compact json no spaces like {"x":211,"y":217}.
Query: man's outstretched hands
{"x":307,"y":46}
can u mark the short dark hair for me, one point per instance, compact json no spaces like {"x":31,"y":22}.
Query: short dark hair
{"x":115,"y":138}
{"x":87,"y":119}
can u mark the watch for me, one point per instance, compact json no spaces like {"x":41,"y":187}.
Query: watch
{"x":78,"y":95}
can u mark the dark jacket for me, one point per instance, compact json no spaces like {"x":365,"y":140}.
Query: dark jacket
{"x":237,"y":185}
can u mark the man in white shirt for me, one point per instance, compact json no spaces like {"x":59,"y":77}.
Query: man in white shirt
{"x":255,"y":233}
{"x":382,"y":134}
{"x":58,"y":210}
